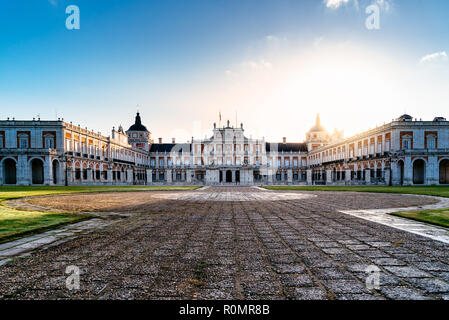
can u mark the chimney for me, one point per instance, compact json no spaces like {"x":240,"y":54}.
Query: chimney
{"x":160,"y":140}
{"x":284,"y":140}
{"x":173,"y":140}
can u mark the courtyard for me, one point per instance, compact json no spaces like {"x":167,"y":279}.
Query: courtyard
{"x":231,"y":243}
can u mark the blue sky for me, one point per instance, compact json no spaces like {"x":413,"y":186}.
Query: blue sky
{"x":276,"y":63}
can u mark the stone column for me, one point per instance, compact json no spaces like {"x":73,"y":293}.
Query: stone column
{"x":250,"y":177}
{"x":289,"y":176}
{"x":189,"y":176}
{"x":89,"y":176}
{"x":47,"y":171}
{"x":432,"y":171}
{"x":347,"y":175}
{"x":368,"y":176}
{"x":270,"y":176}
{"x":387,"y":175}
{"x":328,"y":176}
{"x":109,"y":175}
{"x":309,"y":177}
{"x":149,"y":176}
{"x":233,"y":176}
{"x":209,"y":177}
{"x":130,"y":176}
{"x":169,"y":177}
{"x":408,"y":171}
{"x":122,"y":177}
{"x":395,"y":174}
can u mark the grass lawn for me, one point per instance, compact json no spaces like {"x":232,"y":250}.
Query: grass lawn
{"x":18,"y":223}
{"x":439,"y":217}
{"x":441,"y":191}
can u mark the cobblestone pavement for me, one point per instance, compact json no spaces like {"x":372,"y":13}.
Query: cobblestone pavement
{"x":299,"y":248}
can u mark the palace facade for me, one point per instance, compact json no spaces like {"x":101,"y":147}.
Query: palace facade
{"x":403,"y":152}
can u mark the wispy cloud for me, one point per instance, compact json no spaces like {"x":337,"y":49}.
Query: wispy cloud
{"x":335,"y":4}
{"x":53,"y":2}
{"x":384,"y":5}
{"x":254,"y":65}
{"x":434,"y":58}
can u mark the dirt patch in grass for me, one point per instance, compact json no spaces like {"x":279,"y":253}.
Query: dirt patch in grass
{"x":98,"y":202}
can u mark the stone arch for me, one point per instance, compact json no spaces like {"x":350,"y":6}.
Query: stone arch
{"x":419,"y":171}
{"x":9,"y":171}
{"x":444,"y":171}
{"x":37,"y":171}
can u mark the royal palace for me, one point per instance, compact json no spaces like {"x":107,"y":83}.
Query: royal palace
{"x":405,"y":151}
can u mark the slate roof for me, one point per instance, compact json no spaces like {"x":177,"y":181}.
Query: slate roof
{"x":170,"y":147}
{"x":286,"y":147}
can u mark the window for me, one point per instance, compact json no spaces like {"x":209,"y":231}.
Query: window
{"x":406,"y":144}
{"x":287,"y":163}
{"x":431,"y":142}
{"x":295,"y":163}
{"x":161,"y":163}
{"x":49,"y":140}
{"x":153,"y":163}
{"x":379,"y":147}
{"x":23,"y":141}
{"x":1,"y":141}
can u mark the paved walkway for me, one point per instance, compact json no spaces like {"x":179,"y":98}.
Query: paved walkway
{"x":269,"y":246}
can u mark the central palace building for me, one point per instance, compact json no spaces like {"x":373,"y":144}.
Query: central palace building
{"x":403,"y":152}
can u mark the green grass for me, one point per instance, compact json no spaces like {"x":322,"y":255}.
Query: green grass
{"x":16,"y":223}
{"x":441,"y":191}
{"x":19,"y":223}
{"x":439,"y":217}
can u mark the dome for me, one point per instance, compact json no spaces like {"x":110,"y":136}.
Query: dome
{"x":317,"y":127}
{"x":405,"y":117}
{"x":138,"y":126}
